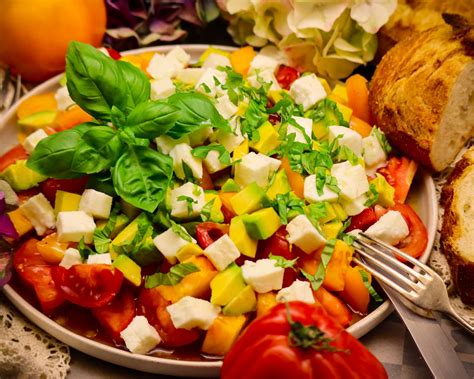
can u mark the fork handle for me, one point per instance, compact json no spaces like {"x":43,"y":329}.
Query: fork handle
{"x":460,"y":320}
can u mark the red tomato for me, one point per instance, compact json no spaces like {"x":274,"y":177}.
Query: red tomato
{"x":415,"y":243}
{"x":51,"y":186}
{"x":286,"y":75}
{"x":153,"y":306}
{"x":116,"y":315}
{"x":268,"y":348}
{"x":36,"y":272}
{"x":90,"y":286}
{"x":363,"y":220}
{"x":209,"y":232}
{"x":11,"y":156}
{"x":206,"y":182}
{"x":399,"y":173}
{"x":114,"y":54}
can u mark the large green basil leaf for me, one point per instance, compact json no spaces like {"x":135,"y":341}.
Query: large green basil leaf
{"x":137,"y":84}
{"x":195,"y":112}
{"x":94,"y":81}
{"x":141,"y":176}
{"x":152,"y":119}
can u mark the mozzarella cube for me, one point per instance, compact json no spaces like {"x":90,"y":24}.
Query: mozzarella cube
{"x":374,"y":154}
{"x":71,"y":257}
{"x":212,"y":162}
{"x":222,"y":252}
{"x":178,"y":54}
{"x":231,"y":140}
{"x":190,"y":75}
{"x":311,"y":192}
{"x":351,"y":180}
{"x":298,"y":291}
{"x":99,"y":259}
{"x":347,"y":137}
{"x":73,"y":226}
{"x":139,"y":336}
{"x":354,"y":207}
{"x":165,"y":143}
{"x":170,"y":242}
{"x":263,"y":275}
{"x":391,"y":228}
{"x":161,"y":66}
{"x":261,"y":63}
{"x":189,"y":313}
{"x":207,"y":82}
{"x":307,"y":91}
{"x":225,"y":107}
{"x":181,"y":153}
{"x":63,"y":100}
{"x":216,"y":60}
{"x":161,"y":88}
{"x":39,"y":212}
{"x":304,"y":123}
{"x":257,"y":78}
{"x":302,"y":233}
{"x":255,"y":168}
{"x":200,"y":136}
{"x":97,"y":204}
{"x":33,"y":139}
{"x":182,"y":208}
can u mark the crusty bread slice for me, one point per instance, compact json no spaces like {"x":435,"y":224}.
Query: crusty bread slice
{"x":457,"y":233}
{"x":422,"y":93}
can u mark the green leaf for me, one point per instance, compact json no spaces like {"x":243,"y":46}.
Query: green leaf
{"x":152,"y":119}
{"x":202,"y":151}
{"x":173,"y":277}
{"x":118,"y":117}
{"x":328,"y":113}
{"x":137,"y":85}
{"x":180,"y":231}
{"x":283,"y":262}
{"x":288,"y":205}
{"x":101,"y":235}
{"x":142,"y":176}
{"x":324,"y":178}
{"x":84,"y":250}
{"x":382,"y":140}
{"x":316,"y":211}
{"x":317,"y":279}
{"x":189,"y":202}
{"x":206,"y":210}
{"x":372,"y":291}
{"x":372,"y":195}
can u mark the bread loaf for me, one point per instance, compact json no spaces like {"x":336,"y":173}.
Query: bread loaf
{"x":422,"y":93}
{"x":457,"y":233}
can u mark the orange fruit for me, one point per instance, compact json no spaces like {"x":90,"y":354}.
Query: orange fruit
{"x":34,"y":35}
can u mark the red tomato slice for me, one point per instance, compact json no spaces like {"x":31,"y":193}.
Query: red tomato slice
{"x":11,"y":156}
{"x":51,"y":186}
{"x":286,"y":75}
{"x":209,"y":232}
{"x":415,"y":243}
{"x":399,"y":173}
{"x":363,"y":220}
{"x":116,"y":315}
{"x":153,"y":306}
{"x":36,"y":272}
{"x":90,"y":286}
{"x":114,"y":54}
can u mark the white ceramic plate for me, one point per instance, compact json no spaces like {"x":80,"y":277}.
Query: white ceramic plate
{"x":422,"y":197}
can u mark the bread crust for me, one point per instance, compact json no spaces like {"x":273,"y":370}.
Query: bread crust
{"x":462,"y":269}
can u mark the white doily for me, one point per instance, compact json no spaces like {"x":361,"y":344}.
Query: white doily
{"x":26,"y":351}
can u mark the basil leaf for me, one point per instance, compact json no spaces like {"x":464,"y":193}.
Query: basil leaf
{"x":180,"y":231}
{"x":102,"y":182}
{"x":372,"y":195}
{"x":283,"y":262}
{"x":142,"y":176}
{"x":202,"y":151}
{"x":94,"y":81}
{"x":152,"y":119}
{"x":189,"y":202}
{"x":101,"y":235}
{"x":382,"y":140}
{"x":288,"y":205}
{"x":317,"y":279}
{"x":84,"y":250}
{"x":207,"y":209}
{"x":372,"y":291}
{"x":173,"y":277}
{"x":136,"y":83}
{"x":316,"y":211}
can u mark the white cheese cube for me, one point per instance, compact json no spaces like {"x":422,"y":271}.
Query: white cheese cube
{"x":347,"y":137}
{"x":311,"y":192}
{"x":216,"y":60}
{"x":39,"y":212}
{"x":139,"y":336}
{"x":161,"y":88}
{"x":190,"y":312}
{"x":170,"y":242}
{"x":261,"y":63}
{"x":231,"y":140}
{"x":161,"y":66}
{"x":256,"y":79}
{"x":351,"y":180}
{"x":178,"y":54}
{"x":190,"y":75}
{"x":180,"y":207}
{"x":226,"y":107}
{"x":354,"y":207}
{"x":303,"y":234}
{"x":165,"y":143}
{"x":200,"y":136}
{"x":306,"y":124}
{"x":391,"y":228}
{"x":263,"y":275}
{"x":181,"y":153}
{"x":99,"y":259}
{"x":374,"y":154}
{"x":212,"y":162}
{"x":255,"y":168}
{"x":298,"y":291}
{"x":71,"y":257}
{"x":63,"y":99}
{"x":222,"y":252}
{"x":75,"y":225}
{"x":97,"y":204}
{"x":207,"y":82}
{"x":307,"y":91}
{"x":33,"y":139}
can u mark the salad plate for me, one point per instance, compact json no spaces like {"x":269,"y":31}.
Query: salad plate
{"x":422,"y":197}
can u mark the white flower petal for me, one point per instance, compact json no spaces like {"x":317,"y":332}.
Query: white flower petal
{"x":371,"y":15}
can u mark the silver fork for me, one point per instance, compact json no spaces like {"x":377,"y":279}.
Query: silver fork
{"x":9,"y":84}
{"x":421,"y":285}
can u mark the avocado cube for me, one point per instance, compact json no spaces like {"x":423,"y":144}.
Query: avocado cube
{"x":244,"y":302}
{"x":330,"y":213}
{"x":340,"y":212}
{"x":332,"y":229}
{"x":216,"y":214}
{"x":130,"y":270}
{"x":230,"y":186}
{"x":262,"y":224}
{"x":346,"y":112}
{"x":248,"y":200}
{"x":66,"y":202}
{"x":226,"y":285}
{"x":385,"y":190}
{"x":269,"y":138}
{"x":238,"y":234}
{"x":38,"y":119}
{"x":188,"y":251}
{"x":20,"y":177}
{"x":280,"y":185}
{"x":320,"y":130}
{"x":120,"y":223}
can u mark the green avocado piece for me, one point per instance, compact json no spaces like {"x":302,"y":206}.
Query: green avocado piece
{"x":120,"y":223}
{"x":230,"y":186}
{"x":38,"y":119}
{"x":340,"y":212}
{"x":280,"y":185}
{"x":244,"y":302}
{"x":385,"y":190}
{"x":20,"y":177}
{"x":248,"y":200}
{"x":130,"y":270}
{"x":226,"y":285}
{"x":332,"y":229}
{"x":330,"y":213}
{"x":262,"y":224}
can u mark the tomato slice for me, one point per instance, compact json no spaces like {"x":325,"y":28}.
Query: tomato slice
{"x":37,"y":273}
{"x":114,"y":54}
{"x":209,"y":232}
{"x":90,"y":286}
{"x":11,"y":156}
{"x":399,"y":173}
{"x":51,"y":186}
{"x":363,"y":220}
{"x":116,"y":315}
{"x":286,"y":75}
{"x":415,"y":243}
{"x":153,"y":306}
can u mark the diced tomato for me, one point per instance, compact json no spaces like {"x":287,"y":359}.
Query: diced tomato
{"x":274,"y":118}
{"x":286,"y":75}
{"x":11,"y":156}
{"x":415,"y":243}
{"x":379,"y":211}
{"x":153,"y":306}
{"x":399,"y":173}
{"x":50,"y":186}
{"x":209,"y":232}
{"x":363,"y":220}
{"x":26,"y":194}
{"x":206,"y":182}
{"x":36,"y":272}
{"x":90,"y":286}
{"x":116,"y":315}
{"x":114,"y":54}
